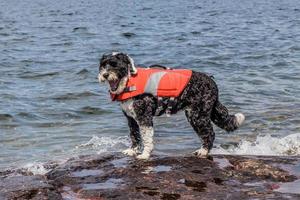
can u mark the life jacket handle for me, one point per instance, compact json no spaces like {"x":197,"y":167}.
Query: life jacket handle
{"x":158,"y":67}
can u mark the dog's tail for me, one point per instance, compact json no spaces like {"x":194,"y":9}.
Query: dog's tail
{"x":224,"y":120}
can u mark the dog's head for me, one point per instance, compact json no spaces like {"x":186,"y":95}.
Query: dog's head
{"x":115,"y":68}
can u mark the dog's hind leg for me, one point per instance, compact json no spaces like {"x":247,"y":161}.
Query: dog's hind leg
{"x":201,"y":123}
{"x":224,"y":120}
{"x":134,"y":136}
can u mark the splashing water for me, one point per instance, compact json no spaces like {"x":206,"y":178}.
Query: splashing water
{"x":266,"y":145}
{"x":105,"y":143}
{"x":36,"y":168}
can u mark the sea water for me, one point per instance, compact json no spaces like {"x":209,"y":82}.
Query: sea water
{"x":52,"y":107}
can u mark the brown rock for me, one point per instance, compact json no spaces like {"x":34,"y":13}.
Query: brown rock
{"x":258,"y":168}
{"x":168,"y":178}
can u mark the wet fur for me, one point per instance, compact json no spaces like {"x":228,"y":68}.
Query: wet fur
{"x":200,"y":102}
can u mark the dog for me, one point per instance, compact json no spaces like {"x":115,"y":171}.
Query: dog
{"x":193,"y":92}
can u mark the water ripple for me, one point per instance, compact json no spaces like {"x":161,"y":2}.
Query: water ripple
{"x":73,"y":96}
{"x":30,"y":75}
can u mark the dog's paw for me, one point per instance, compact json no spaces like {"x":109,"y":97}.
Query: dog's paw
{"x":143,"y":156}
{"x":201,"y":153}
{"x":129,"y":152}
{"x":240,"y":118}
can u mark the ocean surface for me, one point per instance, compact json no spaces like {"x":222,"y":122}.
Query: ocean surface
{"x":52,"y":107}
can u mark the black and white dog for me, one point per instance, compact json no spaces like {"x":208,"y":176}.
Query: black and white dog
{"x":199,"y":100}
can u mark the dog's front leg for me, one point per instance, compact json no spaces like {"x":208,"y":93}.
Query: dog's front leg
{"x":140,"y":112}
{"x":134,"y":136}
{"x":147,"y":139}
{"x":144,"y":111}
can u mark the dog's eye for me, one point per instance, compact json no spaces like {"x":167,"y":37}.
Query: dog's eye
{"x":101,"y":66}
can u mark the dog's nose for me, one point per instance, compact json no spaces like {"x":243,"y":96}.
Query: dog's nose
{"x":105,"y":75}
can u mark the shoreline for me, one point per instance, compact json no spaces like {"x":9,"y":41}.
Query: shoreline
{"x":114,"y":176}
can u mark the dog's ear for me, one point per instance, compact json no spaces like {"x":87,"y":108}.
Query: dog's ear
{"x":133,"y":69}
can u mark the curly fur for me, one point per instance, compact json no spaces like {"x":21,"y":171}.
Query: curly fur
{"x":199,"y":100}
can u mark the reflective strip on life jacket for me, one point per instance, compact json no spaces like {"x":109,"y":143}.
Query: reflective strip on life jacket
{"x":153,"y":82}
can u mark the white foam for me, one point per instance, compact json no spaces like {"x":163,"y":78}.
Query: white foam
{"x":265,"y":145}
{"x":100,"y":144}
{"x":105,"y":143}
{"x":36,"y":168}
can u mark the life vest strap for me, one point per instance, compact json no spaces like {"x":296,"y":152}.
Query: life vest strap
{"x":160,"y":106}
{"x":170,"y":105}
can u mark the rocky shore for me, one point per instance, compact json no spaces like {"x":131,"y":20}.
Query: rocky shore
{"x":117,"y":177}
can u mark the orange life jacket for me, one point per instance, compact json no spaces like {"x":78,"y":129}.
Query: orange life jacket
{"x":158,"y":82}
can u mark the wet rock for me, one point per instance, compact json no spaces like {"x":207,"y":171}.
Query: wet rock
{"x":27,"y":187}
{"x":255,"y":168}
{"x":119,"y":177}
